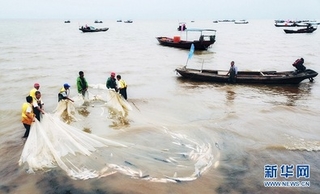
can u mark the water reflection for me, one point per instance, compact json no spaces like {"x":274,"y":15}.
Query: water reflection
{"x":230,"y":95}
{"x":292,"y":93}
{"x":287,"y":95}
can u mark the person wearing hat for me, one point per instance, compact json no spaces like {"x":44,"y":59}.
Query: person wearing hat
{"x":35,"y":88}
{"x":64,"y":93}
{"x":111,"y":82}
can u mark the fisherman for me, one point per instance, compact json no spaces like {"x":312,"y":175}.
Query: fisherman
{"x":35,"y":88}
{"x":38,"y":105}
{"x":82,"y":84}
{"x":233,"y":71}
{"x":111,"y":82}
{"x":122,"y":87}
{"x":64,"y":93}
{"x":27,"y":115}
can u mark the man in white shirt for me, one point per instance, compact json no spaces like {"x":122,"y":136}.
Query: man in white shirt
{"x":38,"y":105}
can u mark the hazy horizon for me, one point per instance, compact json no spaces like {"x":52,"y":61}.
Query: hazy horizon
{"x":151,"y":9}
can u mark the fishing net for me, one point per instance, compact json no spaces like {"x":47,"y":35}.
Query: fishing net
{"x":162,"y":156}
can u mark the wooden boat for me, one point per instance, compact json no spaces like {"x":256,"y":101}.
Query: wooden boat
{"x":249,"y":77}
{"x":98,"y":21}
{"x":67,"y":21}
{"x":206,"y":39}
{"x":128,"y":21}
{"x":302,"y":30}
{"x":92,"y":29}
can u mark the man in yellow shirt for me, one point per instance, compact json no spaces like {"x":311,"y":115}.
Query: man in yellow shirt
{"x":122,"y":87}
{"x":35,"y":88}
{"x":27,"y":115}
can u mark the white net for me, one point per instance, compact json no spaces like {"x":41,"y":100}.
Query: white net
{"x":163,"y":157}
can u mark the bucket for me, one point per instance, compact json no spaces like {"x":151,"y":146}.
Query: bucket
{"x":176,"y":39}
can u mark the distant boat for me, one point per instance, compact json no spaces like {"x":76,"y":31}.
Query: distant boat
{"x":309,"y":29}
{"x":206,"y":39}
{"x":98,"y":21}
{"x":119,"y":20}
{"x":128,"y":21}
{"x":67,"y":21}
{"x":92,"y":29}
{"x":291,"y":24}
{"x":313,"y":22}
{"x":226,"y":20}
{"x":241,"y":22}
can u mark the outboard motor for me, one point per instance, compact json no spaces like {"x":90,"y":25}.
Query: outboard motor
{"x":298,"y":64}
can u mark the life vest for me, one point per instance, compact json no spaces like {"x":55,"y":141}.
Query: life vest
{"x":27,"y":108}
{"x":62,"y":94}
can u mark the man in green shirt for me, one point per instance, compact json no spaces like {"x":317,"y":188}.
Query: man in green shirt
{"x":82,"y":84}
{"x":111,"y":82}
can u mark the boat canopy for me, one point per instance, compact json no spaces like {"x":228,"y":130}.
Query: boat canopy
{"x":200,"y":30}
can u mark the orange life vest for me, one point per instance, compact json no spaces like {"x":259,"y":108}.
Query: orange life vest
{"x":27,"y":109}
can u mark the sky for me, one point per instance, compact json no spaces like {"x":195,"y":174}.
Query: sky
{"x":160,"y":9}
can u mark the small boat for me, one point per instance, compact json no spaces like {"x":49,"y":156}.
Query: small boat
{"x":291,"y":24}
{"x":226,"y":21}
{"x":241,"y":22}
{"x":128,"y":21}
{"x":182,"y":26}
{"x":92,"y":29}
{"x":98,"y":21}
{"x":248,"y":77}
{"x":119,"y":20}
{"x":313,"y":23}
{"x":67,"y":21}
{"x":206,"y":39}
{"x":309,"y":29}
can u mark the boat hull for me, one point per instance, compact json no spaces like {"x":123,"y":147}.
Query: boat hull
{"x":249,"y":77}
{"x":94,"y":30}
{"x":304,"y":30}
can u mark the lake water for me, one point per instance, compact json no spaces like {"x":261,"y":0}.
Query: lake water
{"x":248,"y":126}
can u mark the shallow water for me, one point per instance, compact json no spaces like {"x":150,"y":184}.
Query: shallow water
{"x":250,"y":125}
